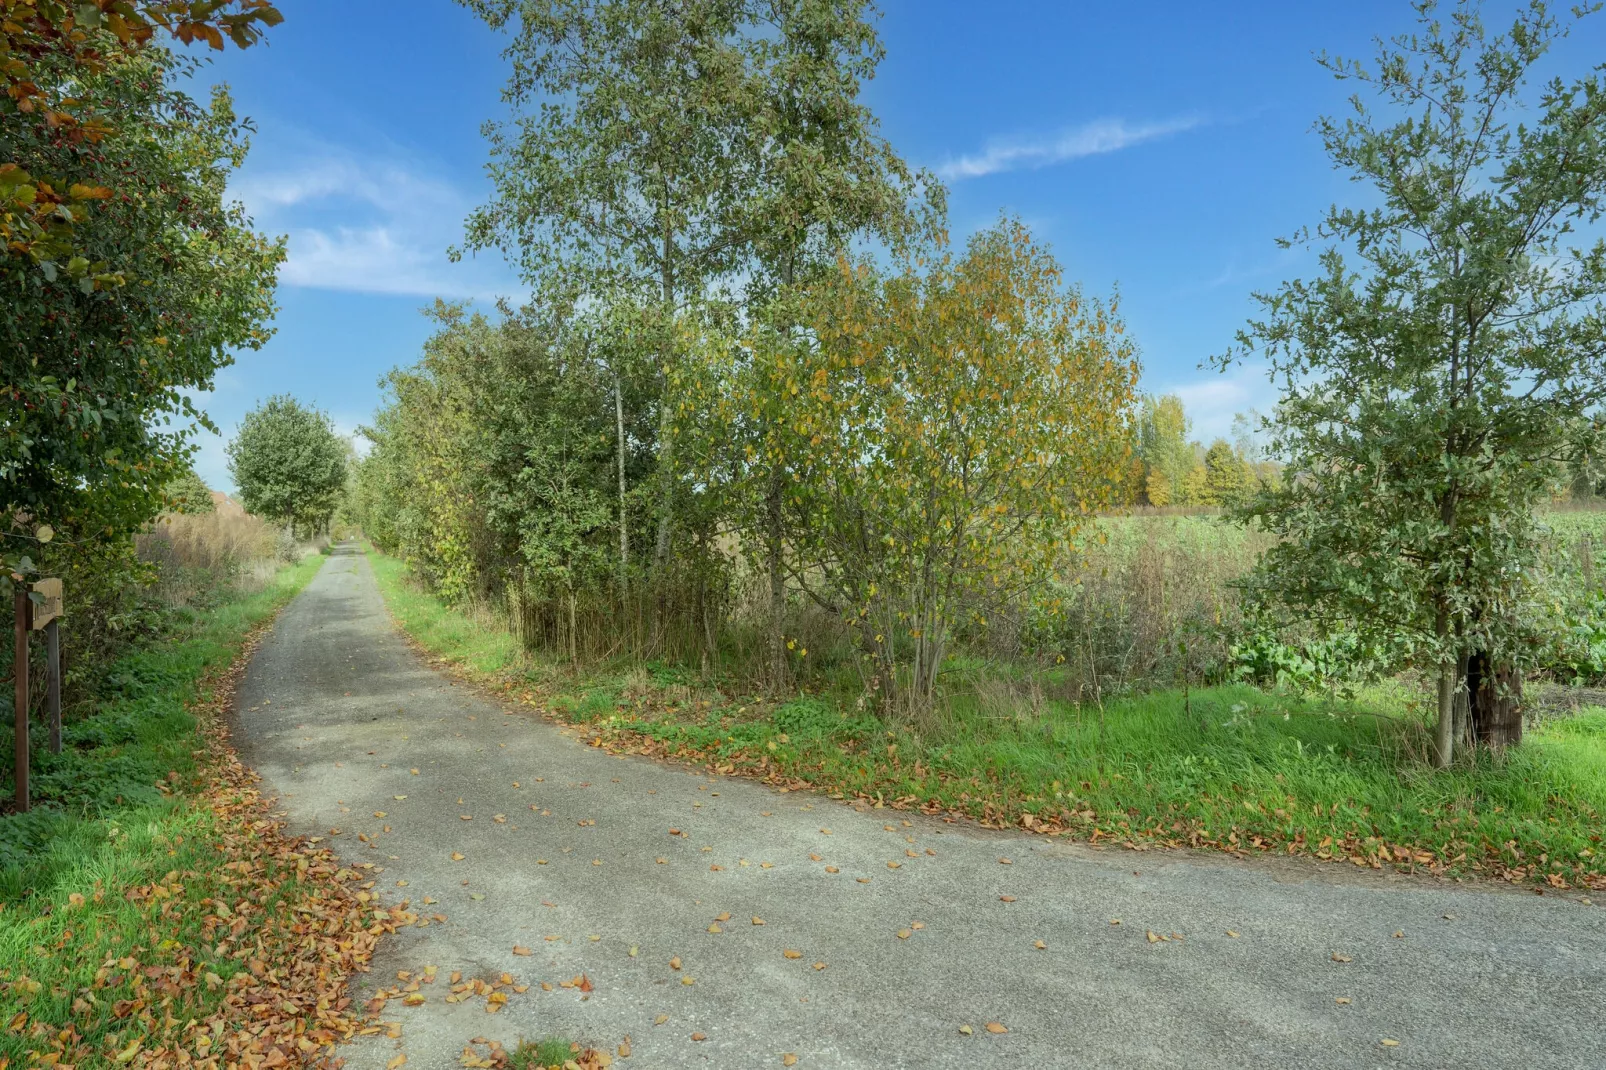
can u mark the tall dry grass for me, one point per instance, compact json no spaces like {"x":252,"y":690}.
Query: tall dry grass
{"x":196,"y":554}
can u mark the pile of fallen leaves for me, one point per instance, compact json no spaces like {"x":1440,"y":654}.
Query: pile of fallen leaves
{"x":272,"y":930}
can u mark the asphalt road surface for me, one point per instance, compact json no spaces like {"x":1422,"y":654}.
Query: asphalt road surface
{"x":905,"y":928}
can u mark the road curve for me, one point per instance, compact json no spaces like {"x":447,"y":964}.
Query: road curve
{"x":907,"y":928}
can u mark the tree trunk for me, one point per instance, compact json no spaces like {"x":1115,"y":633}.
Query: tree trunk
{"x":777,"y":638}
{"x":624,"y":517}
{"x":1495,"y":700}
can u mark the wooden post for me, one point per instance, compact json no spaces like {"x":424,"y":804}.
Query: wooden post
{"x":53,"y":661}
{"x":19,"y":669}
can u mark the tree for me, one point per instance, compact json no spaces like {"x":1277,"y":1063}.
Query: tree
{"x":127,"y":277}
{"x":289,"y":464}
{"x":1226,"y":477}
{"x":960,"y":423}
{"x":1446,"y":356}
{"x":187,"y":494}
{"x":631,"y":174}
{"x":1163,"y":447}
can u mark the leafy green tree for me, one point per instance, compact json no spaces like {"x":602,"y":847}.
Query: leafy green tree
{"x":127,"y":277}
{"x":289,"y":464}
{"x":187,"y":494}
{"x":1448,"y":353}
{"x":1226,"y":477}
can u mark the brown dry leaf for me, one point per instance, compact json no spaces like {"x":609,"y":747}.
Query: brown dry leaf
{"x":862,"y":880}
{"x":674,"y":963}
{"x":1006,"y":862}
{"x":465,"y":817}
{"x":1341,"y":999}
{"x":791,"y":953}
{"x":788,"y":1059}
{"x":413,"y":771}
{"x":819,"y":965}
{"x":757,"y":920}
{"x":1154,"y":937}
{"x":1115,"y":921}
{"x":457,"y":856}
{"x":716,"y":869}
{"x":395,"y":1061}
{"x":699,"y":1036}
{"x":1389,"y":1042}
{"x":1233,"y":933}
{"x":966,"y":1030}
{"x":815,"y":858}
{"x":517,"y":950}
{"x":1341,"y":958}
{"x":904,"y":934}
{"x":832,"y":869}
{"x":1039,"y":945}
{"x":688,"y":981}
{"x":661,"y":1019}
{"x":997,"y":1027}
{"x":714,"y":928}
{"x":1399,"y":934}
{"x":894,"y":865}
{"x":723,"y":916}
{"x":624,"y":1048}
{"x":1006,"y":899}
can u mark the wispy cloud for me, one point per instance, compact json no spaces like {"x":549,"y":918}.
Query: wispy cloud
{"x":1091,"y":139}
{"x":370,"y":224}
{"x":1213,"y":399}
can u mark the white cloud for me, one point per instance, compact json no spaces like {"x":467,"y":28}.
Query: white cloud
{"x":1213,"y":399}
{"x":367,"y":224}
{"x":1090,"y":139}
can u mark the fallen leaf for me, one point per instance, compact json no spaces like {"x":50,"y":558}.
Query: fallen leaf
{"x":714,"y":928}
{"x":517,"y":950}
{"x":688,"y":980}
{"x":724,"y":916}
{"x":819,"y":965}
{"x":965,"y":1029}
{"x":413,"y":771}
{"x":1006,"y":899}
{"x":1232,"y":933}
{"x":904,"y":934}
{"x":1154,"y":937}
{"x":1341,"y":999}
{"x":997,"y":1027}
{"x":788,"y":1059}
{"x":674,"y":963}
{"x":1341,"y":958}
{"x":457,"y":856}
{"x":832,"y":869}
{"x":791,"y":953}
{"x":1005,"y":862}
{"x":1040,"y":946}
{"x":661,"y":1019}
{"x":395,"y":1061}
{"x":894,"y":865}
{"x":624,"y":1048}
{"x":1390,"y":1043}
{"x":1399,"y":934}
{"x":757,"y":920}
{"x":699,"y":1036}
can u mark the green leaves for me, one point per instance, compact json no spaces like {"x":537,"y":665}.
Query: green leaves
{"x":289,"y":464}
{"x":1444,"y":362}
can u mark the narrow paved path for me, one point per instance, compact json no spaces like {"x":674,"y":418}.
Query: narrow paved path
{"x":567,"y":851}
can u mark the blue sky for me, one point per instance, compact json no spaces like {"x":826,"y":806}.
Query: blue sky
{"x":1159,"y":148}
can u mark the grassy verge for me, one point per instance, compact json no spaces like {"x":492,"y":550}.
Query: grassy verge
{"x":1231,"y":768}
{"x":150,"y":912}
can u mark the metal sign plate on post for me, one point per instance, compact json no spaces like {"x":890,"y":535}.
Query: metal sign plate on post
{"x":48,"y":610}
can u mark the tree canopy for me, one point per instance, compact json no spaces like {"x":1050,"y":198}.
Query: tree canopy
{"x":289,"y":464}
{"x":1448,"y":356}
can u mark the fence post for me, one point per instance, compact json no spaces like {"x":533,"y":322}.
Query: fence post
{"x":53,"y":663}
{"x":19,"y":669}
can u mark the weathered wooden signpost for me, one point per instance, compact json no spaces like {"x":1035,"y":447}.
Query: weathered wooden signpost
{"x":29,"y":618}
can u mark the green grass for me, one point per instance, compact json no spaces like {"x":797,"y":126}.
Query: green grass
{"x":120,"y":861}
{"x":1228,"y":767}
{"x":541,"y":1054}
